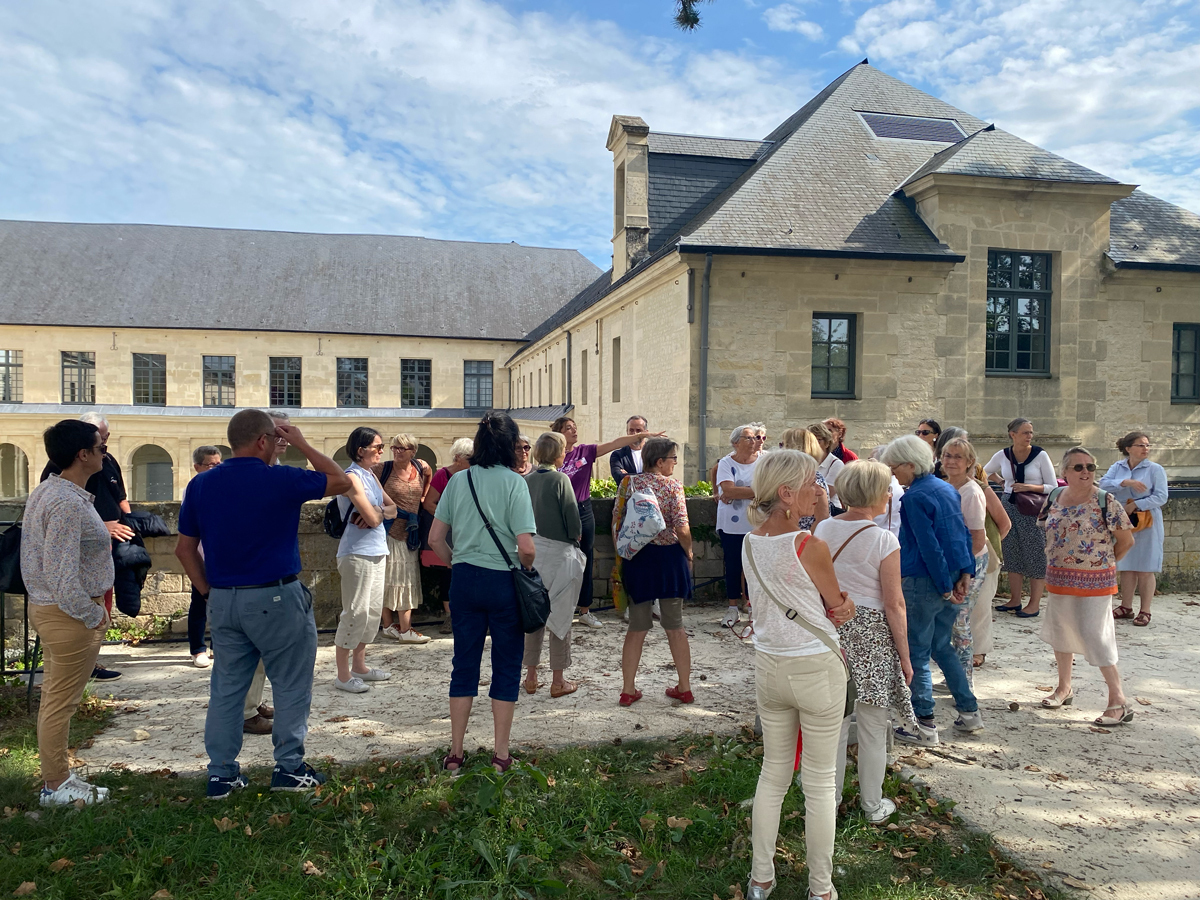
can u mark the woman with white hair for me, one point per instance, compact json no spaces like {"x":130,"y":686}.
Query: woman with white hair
{"x":1087,"y":533}
{"x":866,"y":559}
{"x":936,"y":570}
{"x":460,"y":459}
{"x":800,"y":676}
{"x":735,"y":472}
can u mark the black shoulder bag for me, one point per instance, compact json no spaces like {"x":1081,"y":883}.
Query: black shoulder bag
{"x":533,"y":600}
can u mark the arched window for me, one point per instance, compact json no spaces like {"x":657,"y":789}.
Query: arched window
{"x":14,"y":473}
{"x":426,"y":455}
{"x":153,"y":474}
{"x":341,"y":457}
{"x":225,"y":451}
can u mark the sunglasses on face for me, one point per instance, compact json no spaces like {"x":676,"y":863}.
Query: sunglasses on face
{"x":524,"y":448}
{"x":103,"y":448}
{"x":1081,"y":467}
{"x":924,"y":432}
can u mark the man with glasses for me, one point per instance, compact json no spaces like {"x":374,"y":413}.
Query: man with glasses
{"x":628,"y":460}
{"x":246,"y":512}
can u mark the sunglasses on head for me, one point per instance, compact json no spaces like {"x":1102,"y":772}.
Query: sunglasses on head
{"x":1080,"y":467}
{"x":924,"y":431}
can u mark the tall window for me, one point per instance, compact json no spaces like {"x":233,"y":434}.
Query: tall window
{"x":352,"y":381}
{"x":416,"y":383}
{"x":833,"y":354}
{"x":149,"y":379}
{"x":477,"y":383}
{"x":1185,"y":357}
{"x":78,"y":377}
{"x":285,"y":381}
{"x":219,"y":380}
{"x":1018,"y":313}
{"x":616,"y":370}
{"x":12,"y":381}
{"x":583,"y":375}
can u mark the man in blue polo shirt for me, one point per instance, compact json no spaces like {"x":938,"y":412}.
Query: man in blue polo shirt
{"x":247,"y":513}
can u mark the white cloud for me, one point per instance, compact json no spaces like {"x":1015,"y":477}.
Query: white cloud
{"x":1108,"y":83}
{"x":788,"y":17}
{"x":449,"y":118}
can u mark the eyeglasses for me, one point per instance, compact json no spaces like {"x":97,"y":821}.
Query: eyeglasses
{"x":524,"y":448}
{"x":375,"y":448}
{"x":400,"y":449}
{"x":208,"y":465}
{"x":924,"y":432}
{"x":103,"y":448}
{"x":1079,"y":467}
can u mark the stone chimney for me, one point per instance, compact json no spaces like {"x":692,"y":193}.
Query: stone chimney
{"x":628,"y":141}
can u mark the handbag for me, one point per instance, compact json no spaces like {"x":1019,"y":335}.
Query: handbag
{"x":10,"y":561}
{"x":533,"y":600}
{"x":1028,"y":503}
{"x":643,"y":522}
{"x":851,"y":687}
{"x":1141,"y":519}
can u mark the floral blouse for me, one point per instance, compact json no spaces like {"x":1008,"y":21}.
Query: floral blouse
{"x":1079,"y":548}
{"x":669,"y":494}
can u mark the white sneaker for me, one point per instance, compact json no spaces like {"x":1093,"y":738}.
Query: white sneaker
{"x":72,"y":790}
{"x":880,"y":814}
{"x":370,"y":675}
{"x":969,"y":722}
{"x":412,"y":636}
{"x":731,"y":617}
{"x":354,"y":686}
{"x":918,"y":735}
{"x":393,"y":632}
{"x":656,"y":610}
{"x":625,"y":617}
{"x":589,"y":619}
{"x":202,"y":660}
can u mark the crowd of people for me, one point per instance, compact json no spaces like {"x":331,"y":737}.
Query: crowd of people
{"x":855,"y":573}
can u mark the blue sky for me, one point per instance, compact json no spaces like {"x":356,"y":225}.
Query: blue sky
{"x":477,"y":120}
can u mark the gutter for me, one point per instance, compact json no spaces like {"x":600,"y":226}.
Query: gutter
{"x":1159,"y":267}
{"x":570,"y":367}
{"x":822,"y":254}
{"x":704,"y":291}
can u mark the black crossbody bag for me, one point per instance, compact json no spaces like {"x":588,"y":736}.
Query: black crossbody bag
{"x":533,"y":600}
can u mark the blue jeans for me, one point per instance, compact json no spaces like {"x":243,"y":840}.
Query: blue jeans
{"x":731,"y":549}
{"x":930,"y":622}
{"x":275,"y":625}
{"x":482,"y":600}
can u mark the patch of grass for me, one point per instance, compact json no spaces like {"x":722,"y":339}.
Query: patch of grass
{"x":18,"y":740}
{"x":631,"y":820}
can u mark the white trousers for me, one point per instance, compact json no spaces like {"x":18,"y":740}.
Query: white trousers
{"x":872,"y":722}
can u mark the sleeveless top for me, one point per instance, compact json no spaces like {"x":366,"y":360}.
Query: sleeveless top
{"x":363,"y":541}
{"x":780,"y":568}
{"x":406,"y":494}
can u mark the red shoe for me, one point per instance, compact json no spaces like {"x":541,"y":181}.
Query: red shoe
{"x":682,"y":696}
{"x":630,"y":699}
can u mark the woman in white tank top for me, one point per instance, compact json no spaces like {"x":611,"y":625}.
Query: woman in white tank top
{"x":800,"y":681}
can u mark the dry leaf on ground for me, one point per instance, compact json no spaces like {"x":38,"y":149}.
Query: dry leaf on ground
{"x":680,"y":823}
{"x":1071,"y":881}
{"x":1143,"y":701}
{"x":25,"y":888}
{"x":1056,"y":776}
{"x":338,"y":719}
{"x":163,"y":894}
{"x":59,"y":864}
{"x":141,"y":734}
{"x":1045,"y":687}
{"x":1032,"y":769}
{"x":309,"y":869}
{"x":224,"y":823}
{"x":280,"y":820}
{"x":1099,"y":730}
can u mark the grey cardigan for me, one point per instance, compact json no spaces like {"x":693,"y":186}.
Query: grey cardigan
{"x":554,"y":506}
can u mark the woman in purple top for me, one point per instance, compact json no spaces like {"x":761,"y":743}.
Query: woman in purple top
{"x":577,"y":466}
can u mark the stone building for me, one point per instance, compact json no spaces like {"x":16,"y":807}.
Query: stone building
{"x":880,"y":256}
{"x":168,"y":330}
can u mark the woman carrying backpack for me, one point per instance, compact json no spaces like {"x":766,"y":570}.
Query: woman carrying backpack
{"x":1087,"y":531}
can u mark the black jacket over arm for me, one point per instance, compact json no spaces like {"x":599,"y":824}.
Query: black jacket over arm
{"x":620,"y":464}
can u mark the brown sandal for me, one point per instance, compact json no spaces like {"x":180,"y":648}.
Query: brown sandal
{"x":1142,"y":618}
{"x":568,"y":687}
{"x":977,"y":660}
{"x":531,"y":690}
{"x":1122,"y":612}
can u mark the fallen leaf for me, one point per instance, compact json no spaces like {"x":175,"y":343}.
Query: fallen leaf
{"x":368,"y":734}
{"x":917,"y":762}
{"x":59,"y":864}
{"x":141,"y":734}
{"x":1045,"y":687}
{"x":1099,"y":730}
{"x":679,"y":823}
{"x":280,"y":820}
{"x":906,"y":854}
{"x":309,"y":869}
{"x":25,"y":888}
{"x":926,"y":871}
{"x":647,"y":822}
{"x":792,"y":815}
{"x":163,"y":894}
{"x":443,"y":807}
{"x":1055,"y":776}
{"x":735,"y":892}
{"x":383,"y":768}
{"x":1032,"y":769}
{"x":249,"y":831}
{"x":338,"y":719}
{"x":903,"y":879}
{"x":660,"y":868}
{"x":1143,"y":701}
{"x":1071,"y":881}
{"x":224,"y":823}
{"x":1047,"y":865}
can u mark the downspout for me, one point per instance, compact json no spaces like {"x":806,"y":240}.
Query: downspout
{"x":704,"y":286}
{"x":570,"y":367}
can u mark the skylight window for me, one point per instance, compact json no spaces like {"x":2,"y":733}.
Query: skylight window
{"x":913,"y":128}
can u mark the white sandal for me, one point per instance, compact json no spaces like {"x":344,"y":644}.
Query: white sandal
{"x":1124,"y":719}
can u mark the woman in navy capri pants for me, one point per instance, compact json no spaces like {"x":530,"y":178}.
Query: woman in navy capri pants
{"x":482,"y":596}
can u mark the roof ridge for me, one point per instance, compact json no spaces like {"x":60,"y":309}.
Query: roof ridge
{"x":709,"y":137}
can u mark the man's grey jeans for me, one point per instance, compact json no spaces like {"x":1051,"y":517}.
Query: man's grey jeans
{"x":275,"y":625}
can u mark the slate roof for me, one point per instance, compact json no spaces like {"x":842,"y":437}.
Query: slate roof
{"x":826,"y":183}
{"x":993,"y":153}
{"x":573,"y":307}
{"x":682,"y":186}
{"x":699,"y":145}
{"x":158,"y":276}
{"x":1146,"y":232}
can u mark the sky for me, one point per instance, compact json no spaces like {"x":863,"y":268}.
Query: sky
{"x":485,"y":120}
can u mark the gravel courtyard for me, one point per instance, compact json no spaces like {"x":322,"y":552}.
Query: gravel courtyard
{"x":1116,"y":813}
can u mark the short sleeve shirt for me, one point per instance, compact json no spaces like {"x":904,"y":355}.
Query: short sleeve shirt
{"x":974,"y":505}
{"x":1080,"y":560}
{"x":857,"y":566}
{"x":577,"y":465}
{"x":671,"y":502}
{"x":440,"y":479}
{"x":247,"y":515}
{"x":731,"y":517}
{"x":505,"y":500}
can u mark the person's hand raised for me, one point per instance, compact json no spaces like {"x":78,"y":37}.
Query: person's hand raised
{"x":290,"y":433}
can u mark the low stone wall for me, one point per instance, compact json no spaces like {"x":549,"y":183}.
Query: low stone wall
{"x":167,"y":589}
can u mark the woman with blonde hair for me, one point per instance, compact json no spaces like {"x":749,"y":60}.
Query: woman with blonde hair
{"x":828,"y":465}
{"x":800,"y":676}
{"x":806,"y":442}
{"x":405,"y":479}
{"x":866,"y":559}
{"x":1087,"y":533}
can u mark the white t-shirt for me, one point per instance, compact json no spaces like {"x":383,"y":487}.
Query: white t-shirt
{"x":891,"y":520}
{"x":829,"y":469}
{"x":637,"y":461}
{"x":857,"y":567}
{"x":731,"y":517}
{"x":974,"y":505}
{"x":1039,"y":469}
